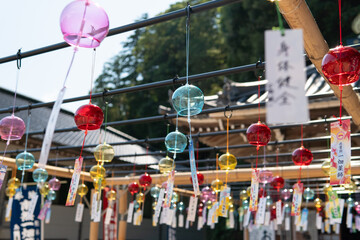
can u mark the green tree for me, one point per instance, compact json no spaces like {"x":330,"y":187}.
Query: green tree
{"x":157,"y":53}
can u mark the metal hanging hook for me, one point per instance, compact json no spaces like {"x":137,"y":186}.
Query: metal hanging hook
{"x":18,"y":59}
{"x":227,"y":108}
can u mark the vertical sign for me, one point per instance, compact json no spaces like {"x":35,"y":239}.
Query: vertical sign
{"x":297,"y":198}
{"x":74,"y":182}
{"x":285,"y":73}
{"x":254,"y":190}
{"x":110,"y":229}
{"x":50,"y":128}
{"x":159,"y":203}
{"x":340,"y":168}
{"x":194,"y":178}
{"x":334,"y":205}
{"x":224,"y":202}
{"x":24,"y":227}
{"x":278,"y":212}
{"x":192,"y":209}
{"x":169,"y":189}
{"x":260,"y":214}
{"x":130,"y":212}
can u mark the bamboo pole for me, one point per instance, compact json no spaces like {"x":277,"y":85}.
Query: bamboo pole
{"x":122,"y":212}
{"x":52,"y":170}
{"x":180,"y":191}
{"x":94,"y":226}
{"x":298,"y":15}
{"x":239,"y":174}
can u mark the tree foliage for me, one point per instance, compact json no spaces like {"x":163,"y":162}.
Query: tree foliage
{"x":226,"y":37}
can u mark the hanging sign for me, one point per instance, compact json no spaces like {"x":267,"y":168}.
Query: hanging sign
{"x":130,"y":212}
{"x":278,"y":212}
{"x":334,"y":204}
{"x":193,"y":168}
{"x":318,"y":221}
{"x":192,"y":209}
{"x":267,"y":218}
{"x":200,"y":223}
{"x":8,"y":209}
{"x":349,"y":217}
{"x":98,"y":212}
{"x":94,"y":203}
{"x":22,"y":225}
{"x":2,"y":174}
{"x":247,"y":218}
{"x":74,"y":182}
{"x":110,"y":223}
{"x":169,"y":189}
{"x":340,"y":168}
{"x":297,"y":198}
{"x":50,"y":128}
{"x":224,"y":202}
{"x":181,"y":220}
{"x":44,"y":210}
{"x":79,"y":212}
{"x":304,"y":218}
{"x":159,"y":203}
{"x":285,"y":73}
{"x":254,"y":190}
{"x":287,"y":224}
{"x":260,"y":214}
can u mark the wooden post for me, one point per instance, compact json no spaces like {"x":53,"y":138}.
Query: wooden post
{"x":122,"y":212}
{"x":298,"y":15}
{"x":94,"y":226}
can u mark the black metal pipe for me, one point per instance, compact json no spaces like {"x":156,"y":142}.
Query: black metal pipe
{"x":218,"y":148}
{"x":129,"y":27}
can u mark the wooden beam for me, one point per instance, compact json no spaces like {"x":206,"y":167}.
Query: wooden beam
{"x":122,"y":211}
{"x":298,"y":15}
{"x":180,"y":191}
{"x":52,"y":170}
{"x":239,"y":174}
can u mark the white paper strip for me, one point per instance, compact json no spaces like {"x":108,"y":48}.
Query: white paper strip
{"x":130,"y":212}
{"x":108,"y":215}
{"x":79,"y":212}
{"x":8,"y":208}
{"x":341,"y":204}
{"x":267,"y":218}
{"x":287,"y":224}
{"x":174,"y":221}
{"x":232,"y":220}
{"x":98,"y":212}
{"x":181,"y":220}
{"x":50,"y":128}
{"x":200,"y":223}
{"x":318,"y":221}
{"x":349,"y":217}
{"x":278,"y":212}
{"x":247,"y":218}
{"x":192,"y":209}
{"x":260,"y":215}
{"x":187,"y":224}
{"x":94,"y":204}
{"x":285,"y":73}
{"x":159,"y":204}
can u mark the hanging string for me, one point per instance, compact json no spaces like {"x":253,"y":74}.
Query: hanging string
{"x":302,"y":145}
{"x":217,"y":165}
{"x":327,"y":141}
{"x":339,"y":2}
{"x":26,"y":141}
{"x":259,"y":77}
{"x":277,"y":160}
{"x":92,"y":73}
{"x":197,"y":154}
{"x":187,"y":63}
{"x":106,"y":119}
{"x":167,"y":132}
{"x":147,"y":154}
{"x":281,"y":25}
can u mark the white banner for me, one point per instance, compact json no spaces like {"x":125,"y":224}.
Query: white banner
{"x":285,"y":73}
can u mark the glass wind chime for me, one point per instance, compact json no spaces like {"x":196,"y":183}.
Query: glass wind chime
{"x":227,"y":161}
{"x":188,"y":100}
{"x":83,"y":24}
{"x":11,"y":127}
{"x":167,"y":164}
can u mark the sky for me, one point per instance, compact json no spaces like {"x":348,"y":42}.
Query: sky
{"x":33,"y":24}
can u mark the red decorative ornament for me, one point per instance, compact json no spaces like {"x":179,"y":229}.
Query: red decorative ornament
{"x":133,"y":188}
{"x":277,"y":183}
{"x":200,"y":209}
{"x":200,"y":178}
{"x":302,"y":156}
{"x":262,"y":193}
{"x":145,"y":180}
{"x":341,"y":65}
{"x":258,"y":134}
{"x":89,"y":117}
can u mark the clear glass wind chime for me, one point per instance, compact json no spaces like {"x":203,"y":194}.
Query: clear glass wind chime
{"x":188,"y":100}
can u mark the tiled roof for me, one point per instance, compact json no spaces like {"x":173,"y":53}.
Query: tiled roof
{"x":39,"y":119}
